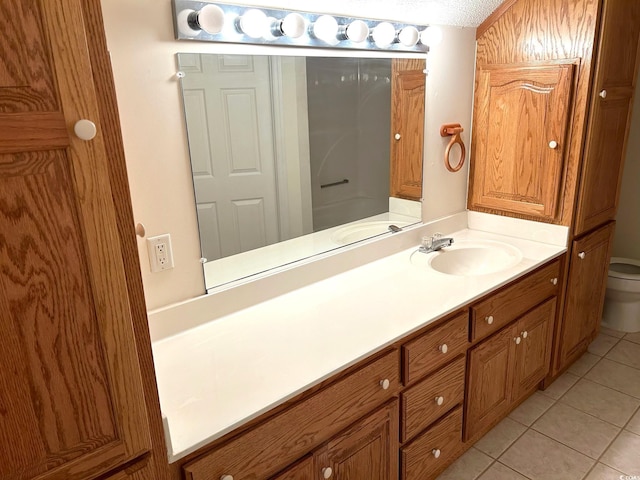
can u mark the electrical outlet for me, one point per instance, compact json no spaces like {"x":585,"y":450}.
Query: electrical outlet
{"x":160,"y":253}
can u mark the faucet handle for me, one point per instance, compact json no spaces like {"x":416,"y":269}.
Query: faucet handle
{"x":427,"y":242}
{"x":437,"y":236}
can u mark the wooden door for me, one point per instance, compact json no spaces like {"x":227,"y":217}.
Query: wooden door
{"x":489,"y":382}
{"x":407,"y":128}
{"x":302,"y":470}
{"x":584,"y":298}
{"x":520,"y":138}
{"x":533,"y":353}
{"x":610,"y":116}
{"x":367,"y":450}
{"x":71,"y":403}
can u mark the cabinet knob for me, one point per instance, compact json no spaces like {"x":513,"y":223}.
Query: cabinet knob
{"x":436,"y":452}
{"x":327,"y":472}
{"x":226,"y":477}
{"x":553,"y":144}
{"x":489,"y":319}
{"x":439,"y":400}
{"x":603,"y":94}
{"x":385,"y":384}
{"x":397,"y":136}
{"x":85,"y":129}
{"x":582,"y":255}
{"x":443,"y":348}
{"x":554,"y":280}
{"x":517,"y":340}
{"x":524,"y":334}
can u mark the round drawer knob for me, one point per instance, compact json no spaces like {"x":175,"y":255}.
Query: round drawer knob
{"x":226,"y":477}
{"x":85,"y":129}
{"x":436,"y":452}
{"x":517,"y":340}
{"x":554,"y":280}
{"x":582,"y":255}
{"x":439,"y":400}
{"x":397,"y":136}
{"x":385,"y":384}
{"x":443,"y":348}
{"x":525,"y":334}
{"x":553,"y":144}
{"x":327,"y":472}
{"x":489,"y":319}
{"x":603,"y":94}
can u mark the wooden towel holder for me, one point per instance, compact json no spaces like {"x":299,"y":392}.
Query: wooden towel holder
{"x":453,"y":130}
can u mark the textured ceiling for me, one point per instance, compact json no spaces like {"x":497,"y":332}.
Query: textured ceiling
{"x":461,"y":13}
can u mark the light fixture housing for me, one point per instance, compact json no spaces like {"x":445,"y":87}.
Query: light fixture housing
{"x":229,"y":23}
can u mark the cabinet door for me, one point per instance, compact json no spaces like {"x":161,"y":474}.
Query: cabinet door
{"x":533,"y":353}
{"x":366,"y":451}
{"x":586,"y":286}
{"x":71,"y":397}
{"x":519,"y":138}
{"x":610,"y":115}
{"x":302,"y":470}
{"x":489,"y":382}
{"x":407,"y":128}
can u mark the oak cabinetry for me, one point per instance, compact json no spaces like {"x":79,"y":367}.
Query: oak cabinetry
{"x":302,"y":470}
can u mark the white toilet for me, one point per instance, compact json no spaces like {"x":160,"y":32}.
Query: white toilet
{"x":622,"y":300}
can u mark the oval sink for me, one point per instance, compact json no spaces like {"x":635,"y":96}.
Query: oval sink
{"x":363,"y":230}
{"x":471,"y":258}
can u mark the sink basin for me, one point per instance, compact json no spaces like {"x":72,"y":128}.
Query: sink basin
{"x":363,"y":230}
{"x":470,"y":258}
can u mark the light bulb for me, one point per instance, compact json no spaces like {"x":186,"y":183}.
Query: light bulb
{"x":293,"y":25}
{"x":408,"y":36}
{"x":383,"y":34}
{"x":431,"y":36}
{"x":253,"y":23}
{"x":325,"y":28}
{"x":210,"y":18}
{"x":186,"y":23}
{"x":357,"y":31}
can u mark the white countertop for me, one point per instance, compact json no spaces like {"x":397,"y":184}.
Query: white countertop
{"x":219,"y":375}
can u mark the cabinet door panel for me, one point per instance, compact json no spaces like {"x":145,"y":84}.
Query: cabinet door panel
{"x":533,"y":354}
{"x":489,"y":382}
{"x":519,"y":112}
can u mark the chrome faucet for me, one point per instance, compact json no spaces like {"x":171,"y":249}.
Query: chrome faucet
{"x":435,"y":243}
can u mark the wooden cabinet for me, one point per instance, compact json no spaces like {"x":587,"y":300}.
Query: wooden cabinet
{"x":302,"y":470}
{"x":367,"y":450}
{"x":585,"y":293}
{"x":73,"y":404}
{"x":506,"y":367}
{"x":521,"y":120}
{"x":407,"y":127}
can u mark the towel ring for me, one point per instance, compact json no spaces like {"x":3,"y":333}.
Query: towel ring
{"x":453,"y":130}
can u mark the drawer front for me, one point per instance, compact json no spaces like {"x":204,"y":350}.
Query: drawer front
{"x":498,"y":310}
{"x":277,"y":442}
{"x":428,"y":400}
{"x":432,"y":451}
{"x":435,"y":348}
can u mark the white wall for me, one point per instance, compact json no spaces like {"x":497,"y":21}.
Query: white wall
{"x":140,"y":39}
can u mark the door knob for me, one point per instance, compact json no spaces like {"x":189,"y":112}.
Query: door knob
{"x":603,"y":94}
{"x":439,"y":400}
{"x":443,"y":348}
{"x":436,"y":452}
{"x":553,"y":144}
{"x":554,"y":280}
{"x":226,"y":477}
{"x":517,"y":340}
{"x":385,"y":384}
{"x":397,"y":136}
{"x":85,"y":129}
{"x":582,"y":255}
{"x":525,"y":334}
{"x":327,"y":472}
{"x":489,"y":319}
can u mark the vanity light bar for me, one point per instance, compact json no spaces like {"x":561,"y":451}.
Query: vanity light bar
{"x":219,"y":22}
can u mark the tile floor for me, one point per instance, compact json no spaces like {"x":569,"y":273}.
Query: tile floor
{"x":586,"y":425}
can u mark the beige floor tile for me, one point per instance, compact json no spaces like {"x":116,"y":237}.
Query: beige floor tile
{"x":541,"y":458}
{"x":611,"y":332}
{"x":531,"y":409}
{"x":634,"y":424}
{"x":633,"y":337}
{"x":498,"y":471}
{"x":617,"y":376}
{"x":602,"y":402}
{"x":500,"y":437}
{"x":602,"y":472}
{"x":469,"y":466}
{"x":584,"y":364}
{"x":624,"y":454}
{"x":625,"y":352}
{"x":561,"y":385}
{"x":576,"y":429}
{"x":602,"y":344}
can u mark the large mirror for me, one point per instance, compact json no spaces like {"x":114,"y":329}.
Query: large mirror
{"x":291,"y":157}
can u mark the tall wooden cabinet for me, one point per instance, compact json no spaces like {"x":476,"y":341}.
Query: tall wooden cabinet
{"x":73,"y":401}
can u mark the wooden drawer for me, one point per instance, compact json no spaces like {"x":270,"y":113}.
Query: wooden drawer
{"x":277,"y":442}
{"x":498,"y":310}
{"x":418,"y":459}
{"x":420,"y":403}
{"x":426,"y":353}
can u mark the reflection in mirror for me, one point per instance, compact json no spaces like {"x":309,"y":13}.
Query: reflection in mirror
{"x":290,"y":157}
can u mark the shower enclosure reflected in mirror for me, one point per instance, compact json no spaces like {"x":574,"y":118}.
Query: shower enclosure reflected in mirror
{"x":290,"y":157}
